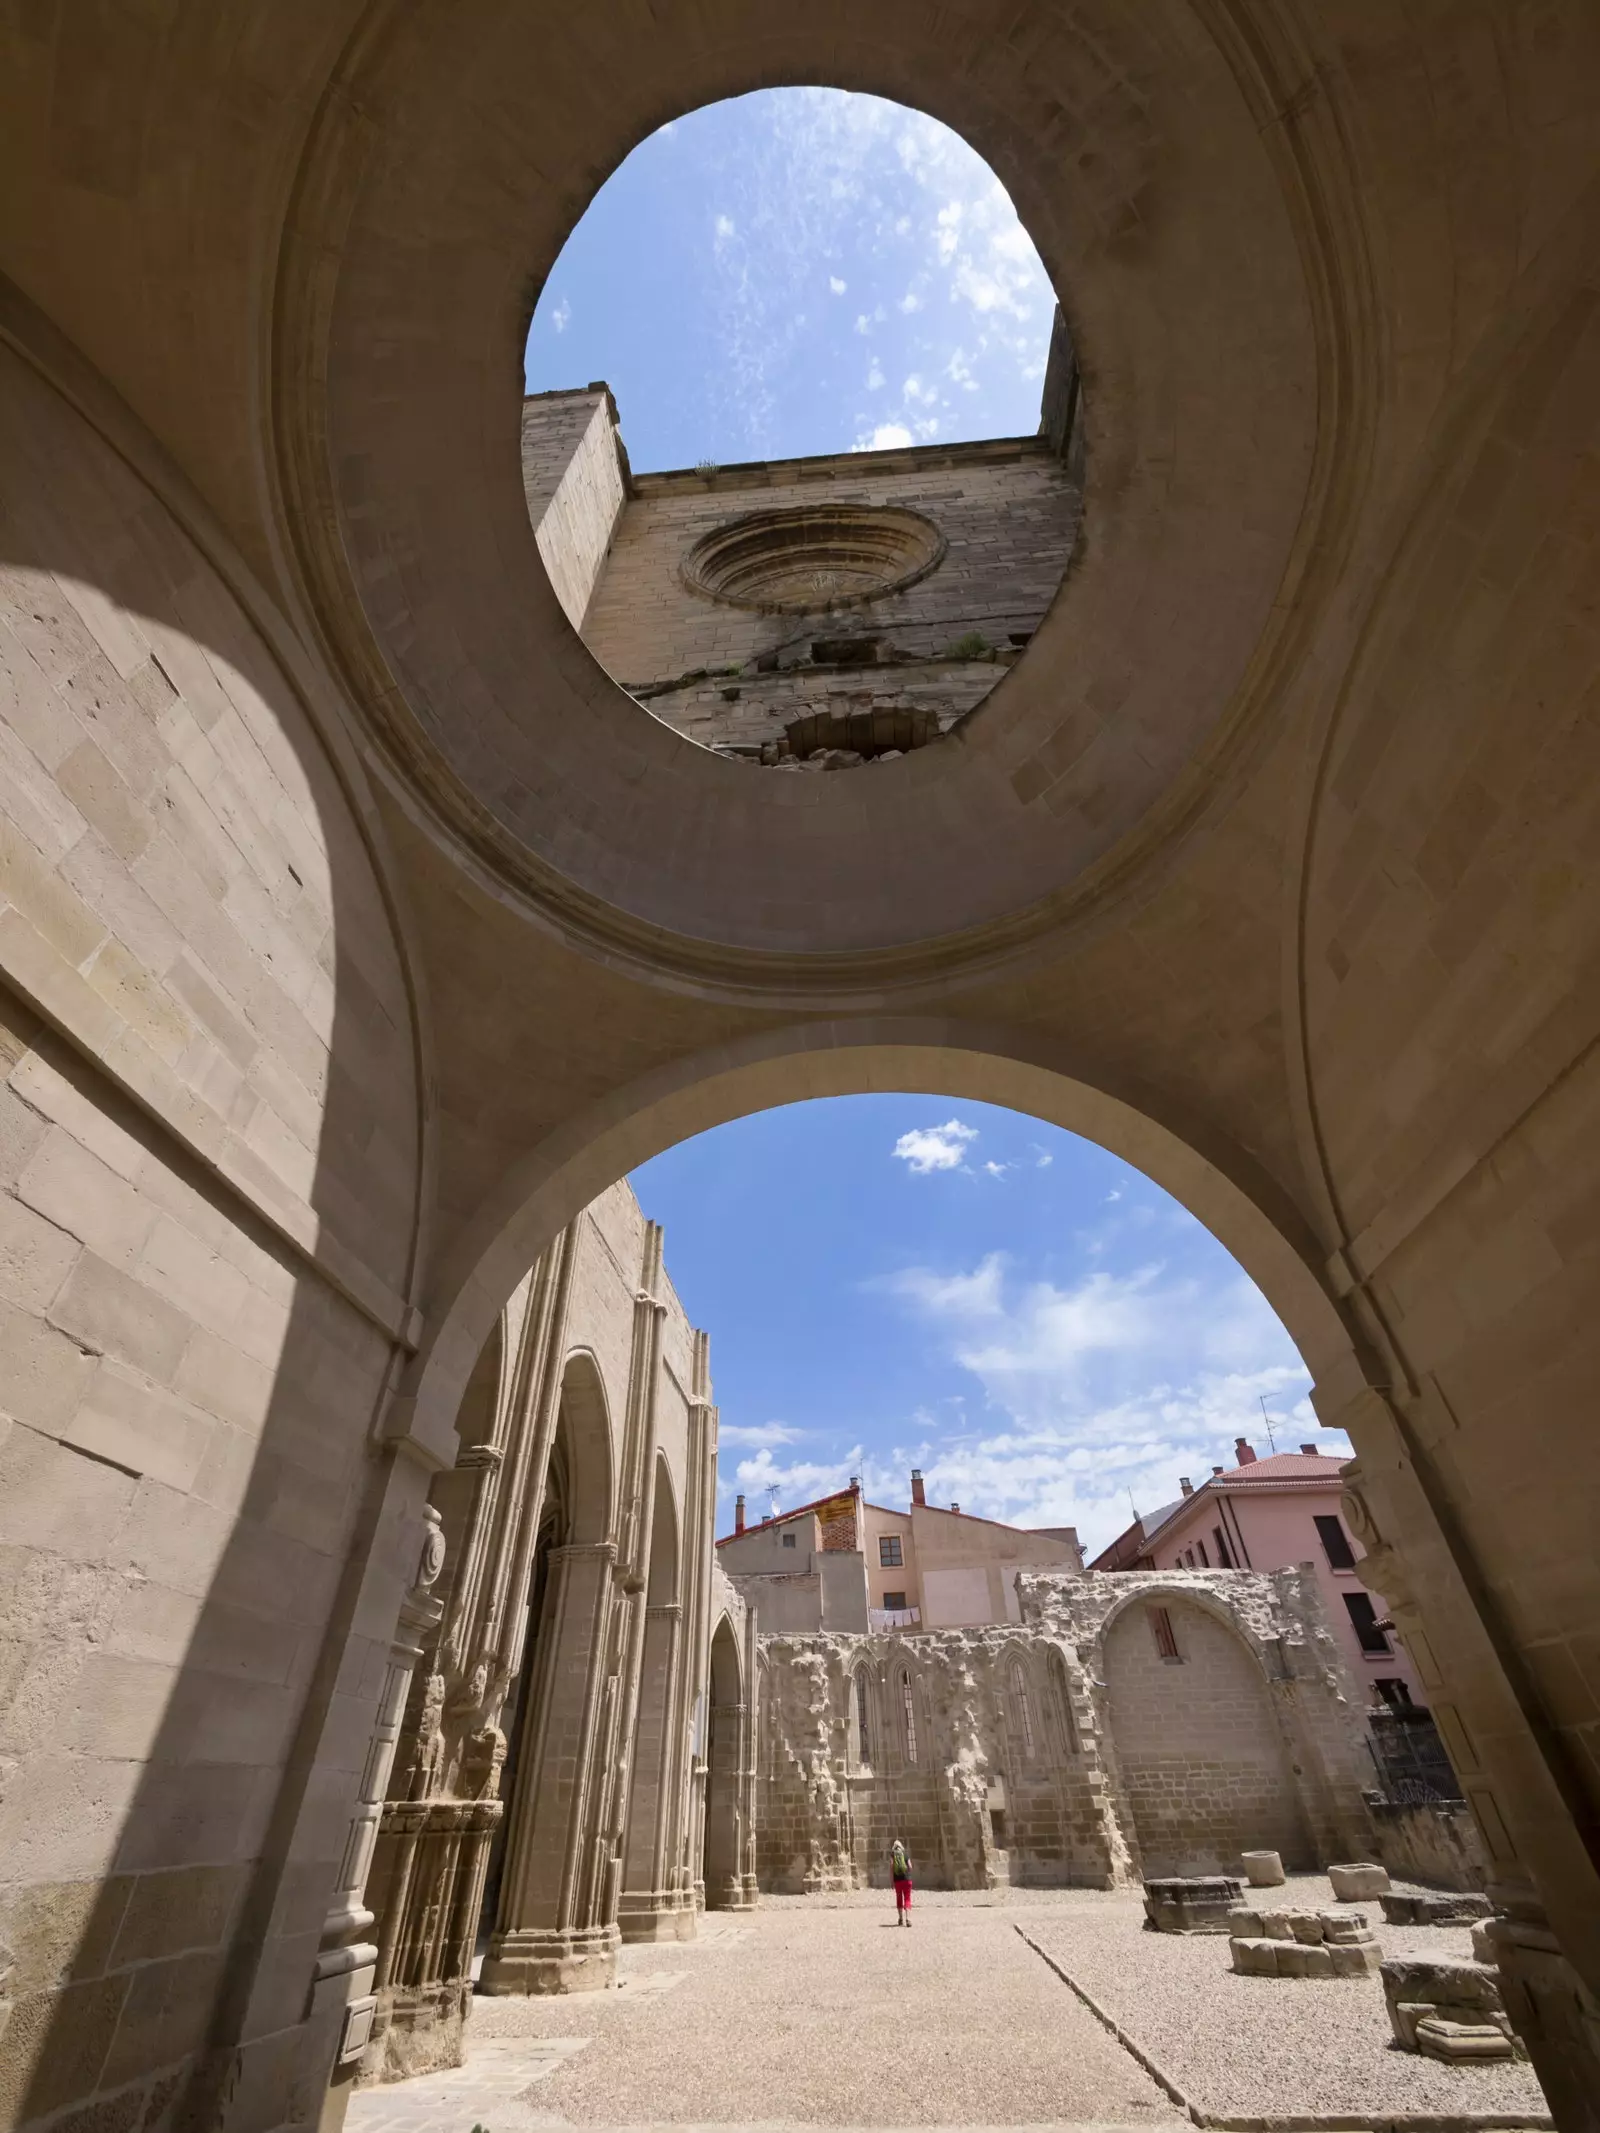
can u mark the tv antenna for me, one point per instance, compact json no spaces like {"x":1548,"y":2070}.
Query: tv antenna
{"x":1267,"y":1419}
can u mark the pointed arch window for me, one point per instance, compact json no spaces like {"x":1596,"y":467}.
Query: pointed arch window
{"x":863,"y":1720}
{"x":1023,"y":1704}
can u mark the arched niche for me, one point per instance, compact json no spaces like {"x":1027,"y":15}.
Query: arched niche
{"x":728,"y":1719}
{"x":1204,"y":1770}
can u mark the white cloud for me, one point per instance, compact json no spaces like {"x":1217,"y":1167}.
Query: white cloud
{"x":1116,"y":1382}
{"x":759,"y":1436}
{"x":910,"y":302}
{"x":723,"y":228}
{"x":561,"y":314}
{"x":977,"y":1295}
{"x":929,"y":1148}
{"x":998,"y":1170}
{"x":836,"y":285}
{"x":874,"y":376}
{"x":887,"y":437}
{"x":917,"y":390}
{"x":1114,"y":1194}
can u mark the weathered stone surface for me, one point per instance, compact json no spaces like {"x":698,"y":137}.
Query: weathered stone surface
{"x":1359,"y":1883}
{"x":1197,"y":1904}
{"x":1415,"y":1986}
{"x":1426,"y":1908}
{"x":1437,"y":2037}
{"x":1302,"y":1943}
{"x":1263,"y":1870}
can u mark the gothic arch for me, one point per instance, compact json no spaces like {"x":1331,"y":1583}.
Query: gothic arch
{"x":583,"y":1449}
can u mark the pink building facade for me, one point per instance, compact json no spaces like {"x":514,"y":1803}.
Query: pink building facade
{"x":1266,"y":1514}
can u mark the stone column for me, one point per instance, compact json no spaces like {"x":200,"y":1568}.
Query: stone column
{"x":748,"y":1766}
{"x":700,"y":1530}
{"x":638,"y":1502}
{"x":548,"y":1938}
{"x":348,"y":1955}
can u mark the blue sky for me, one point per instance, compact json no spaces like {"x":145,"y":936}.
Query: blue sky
{"x":799,"y":271}
{"x":896,"y":1281}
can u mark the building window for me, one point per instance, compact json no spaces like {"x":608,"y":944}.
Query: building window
{"x":788,"y":1540}
{"x":889,"y":1555}
{"x":863,"y":1728}
{"x":1166,"y":1638}
{"x":1019,"y":1691}
{"x":1224,"y":1559}
{"x":1205,"y":1560}
{"x":1394,"y":1692}
{"x":1364,"y":1621}
{"x":895,"y":1601}
{"x":1335,"y":1543}
{"x":909,"y":1718}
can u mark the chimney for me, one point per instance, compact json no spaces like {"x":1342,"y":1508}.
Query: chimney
{"x":1243,"y":1452}
{"x":954,"y":1505}
{"x":1216,"y":1470}
{"x":1310,"y":1450}
{"x":1186,"y":1484}
{"x":919,"y":1495}
{"x":738,"y":1514}
{"x":855,"y":1483}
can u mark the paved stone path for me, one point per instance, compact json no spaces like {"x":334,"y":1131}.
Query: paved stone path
{"x":802,"y":2014}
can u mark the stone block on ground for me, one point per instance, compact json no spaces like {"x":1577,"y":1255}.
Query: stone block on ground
{"x":1433,"y":1908}
{"x":1462,"y":2042}
{"x":1417,"y":1986}
{"x":1263,"y":1870}
{"x":1302,"y":1944}
{"x":1190,"y":1904}
{"x":1358,"y":1882}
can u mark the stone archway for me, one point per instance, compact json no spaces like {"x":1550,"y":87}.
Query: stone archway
{"x":1204,"y":1771}
{"x":727,"y":1731}
{"x":652,"y":1909}
{"x":552,"y":1931}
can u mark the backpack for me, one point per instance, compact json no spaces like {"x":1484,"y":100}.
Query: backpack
{"x":900,"y":1863}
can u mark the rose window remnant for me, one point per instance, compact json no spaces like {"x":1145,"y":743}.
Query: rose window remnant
{"x":830,"y":609}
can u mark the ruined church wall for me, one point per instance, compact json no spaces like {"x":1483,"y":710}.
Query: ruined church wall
{"x":1257,"y":1650}
{"x":829,"y":1811}
{"x":1007,"y":512}
{"x":1067,"y":1751}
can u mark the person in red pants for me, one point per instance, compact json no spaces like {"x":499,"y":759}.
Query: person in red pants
{"x":900,"y":1867}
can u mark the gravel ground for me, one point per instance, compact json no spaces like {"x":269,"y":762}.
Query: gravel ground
{"x":1265,"y":2047}
{"x":823,"y":2013}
